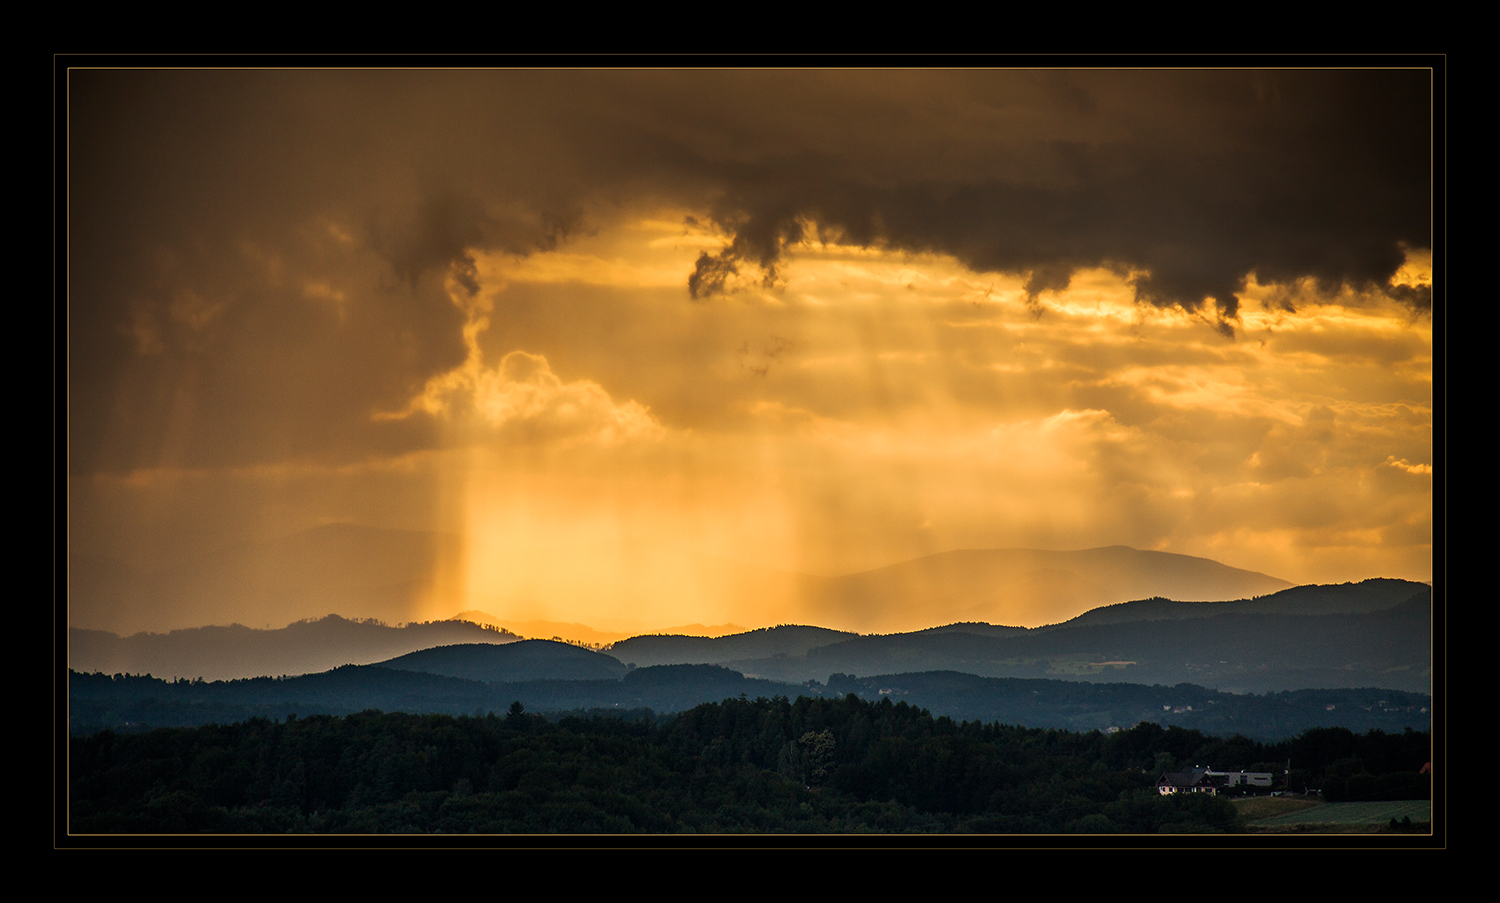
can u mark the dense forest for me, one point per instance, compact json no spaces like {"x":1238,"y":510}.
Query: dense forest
{"x":768,"y":766}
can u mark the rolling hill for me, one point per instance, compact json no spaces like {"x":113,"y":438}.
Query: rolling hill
{"x":237,"y":651}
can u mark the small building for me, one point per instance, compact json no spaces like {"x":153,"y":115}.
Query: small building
{"x":1195,"y":779}
{"x":1202,"y":779}
{"x":1247,"y":778}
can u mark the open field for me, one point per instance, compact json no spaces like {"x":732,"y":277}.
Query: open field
{"x":1263,"y":814}
{"x":1257,"y":808}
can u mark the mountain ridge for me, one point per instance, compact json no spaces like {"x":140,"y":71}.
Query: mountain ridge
{"x":399,"y":575}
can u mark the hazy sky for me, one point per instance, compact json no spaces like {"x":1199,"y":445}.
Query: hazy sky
{"x":814,"y":320}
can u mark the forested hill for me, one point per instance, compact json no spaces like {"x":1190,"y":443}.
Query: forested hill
{"x":235,"y":651}
{"x":512,"y":662}
{"x":1374,"y":633}
{"x":1376,"y":594}
{"x":783,"y":640}
{"x":98,"y":702}
{"x":1242,"y":653}
{"x":769,"y":766}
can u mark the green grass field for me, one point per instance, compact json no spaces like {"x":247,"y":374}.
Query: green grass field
{"x":1281,"y":813}
{"x":1255,"y":808}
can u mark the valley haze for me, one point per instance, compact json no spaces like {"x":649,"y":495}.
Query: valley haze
{"x":365,"y":572}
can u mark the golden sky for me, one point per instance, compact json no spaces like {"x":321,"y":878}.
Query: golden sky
{"x":814,"y":321}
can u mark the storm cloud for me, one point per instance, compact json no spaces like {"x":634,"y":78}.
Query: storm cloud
{"x":907,"y":309}
{"x":191,"y":190}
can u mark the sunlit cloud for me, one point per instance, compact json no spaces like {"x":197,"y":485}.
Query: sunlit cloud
{"x":521,"y":400}
{"x":1407,"y":466}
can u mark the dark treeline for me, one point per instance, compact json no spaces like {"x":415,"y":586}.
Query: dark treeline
{"x":768,"y":765}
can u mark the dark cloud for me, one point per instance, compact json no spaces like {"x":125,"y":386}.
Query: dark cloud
{"x":1191,"y":179}
{"x":1417,"y":297}
{"x":1050,"y":277}
{"x":1197,"y":179}
{"x":439,"y":235}
{"x":711,"y":274}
